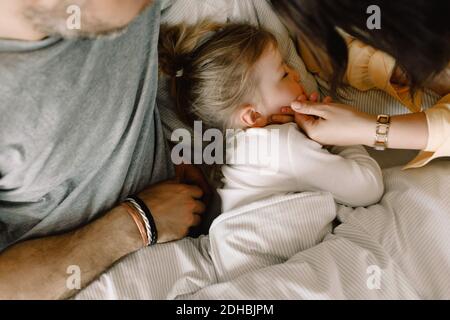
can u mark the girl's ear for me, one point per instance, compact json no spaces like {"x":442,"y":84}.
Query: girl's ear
{"x":248,"y":116}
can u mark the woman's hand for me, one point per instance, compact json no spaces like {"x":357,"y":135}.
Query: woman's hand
{"x":341,"y":125}
{"x":287,"y":115}
{"x":333,"y":124}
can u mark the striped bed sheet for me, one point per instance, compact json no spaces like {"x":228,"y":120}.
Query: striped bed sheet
{"x":285,"y":248}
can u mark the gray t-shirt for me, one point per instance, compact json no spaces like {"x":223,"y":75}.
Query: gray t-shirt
{"x":79,"y":128}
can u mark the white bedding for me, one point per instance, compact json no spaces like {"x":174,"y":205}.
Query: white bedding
{"x":257,"y":252}
{"x":285,"y":247}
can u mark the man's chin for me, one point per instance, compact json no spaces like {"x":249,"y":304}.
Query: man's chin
{"x":86,"y":34}
{"x":50,"y":24}
{"x":59,"y":29}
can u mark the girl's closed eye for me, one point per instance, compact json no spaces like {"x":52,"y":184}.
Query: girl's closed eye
{"x":287,"y":71}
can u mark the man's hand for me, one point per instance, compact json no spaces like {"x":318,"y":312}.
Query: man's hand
{"x":192,"y":175}
{"x":37,"y":269}
{"x":175,"y":208}
{"x":178,"y":205}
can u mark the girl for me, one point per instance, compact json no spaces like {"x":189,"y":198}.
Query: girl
{"x":234,"y":76}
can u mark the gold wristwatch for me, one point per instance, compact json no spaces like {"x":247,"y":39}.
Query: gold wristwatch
{"x":381,"y":135}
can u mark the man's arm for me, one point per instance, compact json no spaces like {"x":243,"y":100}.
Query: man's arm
{"x":38,"y":269}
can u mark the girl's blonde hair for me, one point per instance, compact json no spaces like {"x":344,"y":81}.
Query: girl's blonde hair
{"x":211,"y":68}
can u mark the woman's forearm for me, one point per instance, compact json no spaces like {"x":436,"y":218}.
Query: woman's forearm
{"x":409,"y":131}
{"x":39,"y":269}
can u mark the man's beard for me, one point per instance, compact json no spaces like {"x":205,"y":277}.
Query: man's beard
{"x":53,"y":22}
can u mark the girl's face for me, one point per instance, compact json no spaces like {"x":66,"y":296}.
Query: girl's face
{"x":278,"y":85}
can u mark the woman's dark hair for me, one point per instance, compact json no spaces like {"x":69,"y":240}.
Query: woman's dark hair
{"x":414,"y":32}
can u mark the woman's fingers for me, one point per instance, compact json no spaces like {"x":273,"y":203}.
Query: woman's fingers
{"x":314,"y":97}
{"x":305,"y":122}
{"x":303,"y":111}
{"x":261,"y":122}
{"x":318,"y":110}
{"x":302,"y":98}
{"x":288,"y":111}
{"x":282,"y":119}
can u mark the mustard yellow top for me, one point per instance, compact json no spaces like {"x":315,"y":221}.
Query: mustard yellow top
{"x":370,"y":68}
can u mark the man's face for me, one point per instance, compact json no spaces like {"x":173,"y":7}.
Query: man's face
{"x":97,"y":17}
